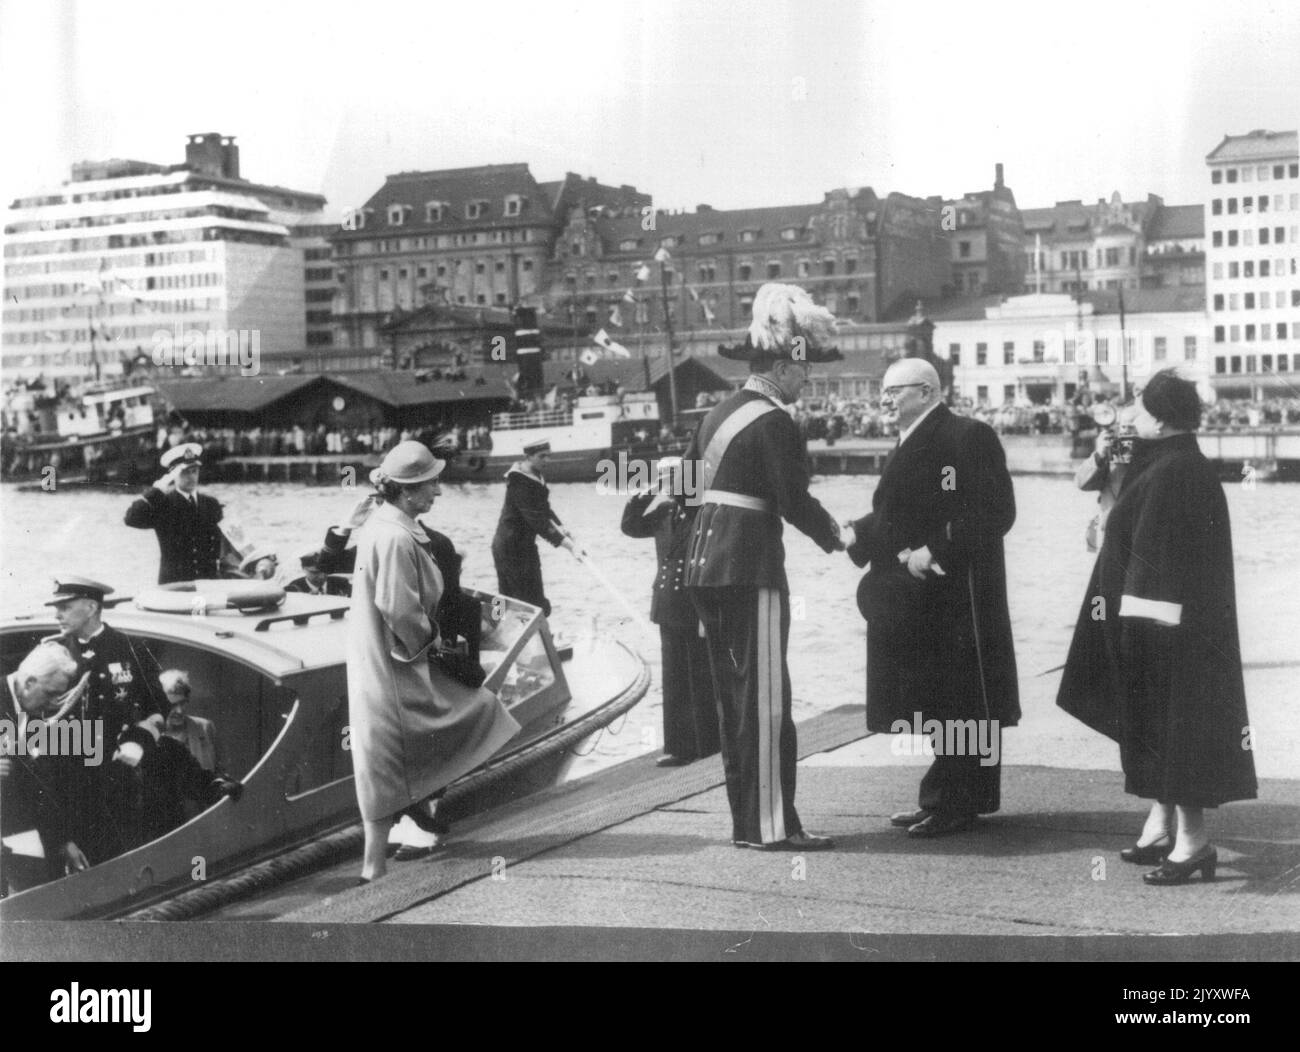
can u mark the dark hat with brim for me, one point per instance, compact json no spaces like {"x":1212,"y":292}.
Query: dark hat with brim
{"x":890,"y":598}
{"x":806,"y":352}
{"x":66,"y":588}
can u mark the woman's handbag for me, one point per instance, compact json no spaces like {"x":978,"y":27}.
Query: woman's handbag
{"x":459,"y":666}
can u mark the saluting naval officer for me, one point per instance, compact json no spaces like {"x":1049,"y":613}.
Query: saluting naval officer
{"x":754,"y":473}
{"x":525,"y":516}
{"x":185,"y":520}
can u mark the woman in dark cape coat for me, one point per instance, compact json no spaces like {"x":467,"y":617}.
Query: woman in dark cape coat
{"x":1155,"y":662}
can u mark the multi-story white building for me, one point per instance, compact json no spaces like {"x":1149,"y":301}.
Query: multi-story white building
{"x":97,"y":268}
{"x":1040,"y":349}
{"x":1253,"y":262}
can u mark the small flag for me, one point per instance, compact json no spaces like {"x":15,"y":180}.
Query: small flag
{"x":662,"y":256}
{"x":643,"y":274}
{"x":629,"y":296}
{"x":616,"y":317}
{"x":708,"y":314}
{"x":589,"y":357}
{"x":694,"y":295}
{"x":601,"y":339}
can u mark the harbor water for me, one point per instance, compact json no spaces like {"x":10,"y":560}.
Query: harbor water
{"x":81,"y":531}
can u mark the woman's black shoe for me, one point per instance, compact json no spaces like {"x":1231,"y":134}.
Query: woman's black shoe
{"x":1204,"y":861}
{"x":429,"y":824}
{"x":1149,"y":854}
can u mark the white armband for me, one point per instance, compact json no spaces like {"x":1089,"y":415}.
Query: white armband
{"x":1166,"y":613}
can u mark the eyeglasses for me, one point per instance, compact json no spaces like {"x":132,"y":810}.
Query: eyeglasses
{"x":892,"y":392}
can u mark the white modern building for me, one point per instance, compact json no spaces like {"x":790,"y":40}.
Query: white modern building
{"x":1040,"y":349}
{"x":97,"y":268}
{"x":1253,"y":262}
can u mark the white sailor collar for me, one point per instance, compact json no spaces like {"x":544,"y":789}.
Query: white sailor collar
{"x":522,"y":467}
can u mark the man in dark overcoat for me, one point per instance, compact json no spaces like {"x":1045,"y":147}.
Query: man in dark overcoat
{"x":939,"y":643}
{"x":526,"y":515}
{"x":753,"y":470}
{"x":184,"y":520}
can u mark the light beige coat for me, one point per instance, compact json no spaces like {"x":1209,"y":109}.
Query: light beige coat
{"x":411,"y":731}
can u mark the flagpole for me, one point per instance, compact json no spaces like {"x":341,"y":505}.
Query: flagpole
{"x":668,"y":326}
{"x":1123,"y":348}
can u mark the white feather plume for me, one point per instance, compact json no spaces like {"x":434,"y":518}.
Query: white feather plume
{"x":783,"y":312}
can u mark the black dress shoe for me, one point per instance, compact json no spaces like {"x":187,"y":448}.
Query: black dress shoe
{"x":1148,"y":854}
{"x":1204,"y":861}
{"x":798,"y":842}
{"x":672,"y":761}
{"x":938,"y":824}
{"x":909,"y":818}
{"x":361,"y":882}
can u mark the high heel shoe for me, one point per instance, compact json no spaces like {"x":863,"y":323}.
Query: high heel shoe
{"x":1204,"y":861}
{"x":1149,"y":854}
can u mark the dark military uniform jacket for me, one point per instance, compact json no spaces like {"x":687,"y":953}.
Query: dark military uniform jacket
{"x":124,"y":687}
{"x":742,"y":547}
{"x":189,"y":539}
{"x":670,"y":526}
{"x":333,"y":586}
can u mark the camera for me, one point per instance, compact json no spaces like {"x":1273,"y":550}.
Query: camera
{"x":1119,"y":436}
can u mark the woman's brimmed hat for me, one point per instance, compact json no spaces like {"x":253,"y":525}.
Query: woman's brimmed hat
{"x":407,"y":464}
{"x":787,"y":326}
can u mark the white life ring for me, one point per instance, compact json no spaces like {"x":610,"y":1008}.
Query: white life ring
{"x":205,"y":597}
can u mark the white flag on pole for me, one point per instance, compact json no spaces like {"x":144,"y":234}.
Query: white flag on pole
{"x":601,"y":339}
{"x":643,"y":272}
{"x":662,"y":256}
{"x":588,"y":357}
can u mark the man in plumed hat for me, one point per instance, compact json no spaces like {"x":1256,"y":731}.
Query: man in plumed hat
{"x":939,"y":641}
{"x":525,"y":516}
{"x":185,"y":520}
{"x":754,"y":472}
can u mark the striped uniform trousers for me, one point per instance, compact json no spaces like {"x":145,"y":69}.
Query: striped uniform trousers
{"x":747,"y":631}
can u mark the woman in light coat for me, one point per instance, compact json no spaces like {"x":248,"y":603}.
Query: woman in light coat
{"x":413,"y":730}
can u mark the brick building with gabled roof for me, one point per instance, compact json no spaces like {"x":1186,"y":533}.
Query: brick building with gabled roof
{"x":476,"y":237}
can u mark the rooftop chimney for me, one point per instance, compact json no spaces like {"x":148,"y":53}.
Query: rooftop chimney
{"x":213,"y":154}
{"x":997,"y":176}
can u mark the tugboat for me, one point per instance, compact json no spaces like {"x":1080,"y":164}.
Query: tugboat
{"x":597,"y":428}
{"x":268,"y":670}
{"x":105,"y":435}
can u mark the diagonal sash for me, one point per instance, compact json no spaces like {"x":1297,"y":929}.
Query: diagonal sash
{"x":727,"y":430}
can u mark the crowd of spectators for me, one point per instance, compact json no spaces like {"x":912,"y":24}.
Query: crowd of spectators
{"x":294,"y":441}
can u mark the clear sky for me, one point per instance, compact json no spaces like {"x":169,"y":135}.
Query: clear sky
{"x":729,"y":103}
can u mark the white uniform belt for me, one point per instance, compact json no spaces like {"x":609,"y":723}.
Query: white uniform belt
{"x":737,"y":500}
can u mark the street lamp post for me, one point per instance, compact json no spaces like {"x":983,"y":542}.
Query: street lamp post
{"x":663,"y":257}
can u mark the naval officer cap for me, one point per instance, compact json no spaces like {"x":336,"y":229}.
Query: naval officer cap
{"x":69,"y":587}
{"x":787,"y":326}
{"x":185,"y":453}
{"x":542,"y":445}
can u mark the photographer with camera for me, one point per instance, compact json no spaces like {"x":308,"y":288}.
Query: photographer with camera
{"x":1104,"y":470}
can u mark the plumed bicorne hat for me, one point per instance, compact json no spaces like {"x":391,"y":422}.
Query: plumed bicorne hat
{"x":788,"y":326}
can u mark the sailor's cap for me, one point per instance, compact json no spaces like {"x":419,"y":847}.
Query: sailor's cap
{"x":186,"y":453}
{"x":310,"y":560}
{"x":250,"y":561}
{"x":70,"y":587}
{"x":542,"y":445}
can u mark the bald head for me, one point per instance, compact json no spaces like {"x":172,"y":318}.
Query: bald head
{"x":910,"y":387}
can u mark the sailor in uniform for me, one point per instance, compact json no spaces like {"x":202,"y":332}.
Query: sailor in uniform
{"x":753,"y":470}
{"x":123,"y":694}
{"x":185,"y":520}
{"x":525,"y":516}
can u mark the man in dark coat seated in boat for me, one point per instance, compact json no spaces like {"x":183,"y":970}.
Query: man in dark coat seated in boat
{"x":29,"y":781}
{"x":939,"y":641}
{"x":185,"y":520}
{"x":314,"y":579}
